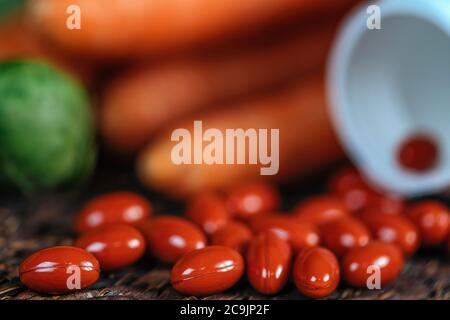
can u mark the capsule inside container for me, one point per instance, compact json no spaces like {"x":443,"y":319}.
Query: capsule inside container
{"x":385,"y":87}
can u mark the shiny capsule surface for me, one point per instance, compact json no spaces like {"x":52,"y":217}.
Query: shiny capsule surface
{"x":112,"y":208}
{"x":387,"y":204}
{"x":300,"y":235}
{"x":268,"y":263}
{"x":418,"y":153}
{"x":170,"y":237}
{"x":234,"y":235}
{"x":357,"y":194}
{"x":207,"y":271}
{"x":208,"y":211}
{"x":321,"y":209}
{"x":344,"y":234}
{"x":345,"y":179}
{"x":351,"y":187}
{"x":432,"y":218}
{"x":115,"y":246}
{"x":316,"y":272}
{"x":395,"y":229}
{"x":251,"y":199}
{"x":59,"y":270}
{"x":361,"y":265}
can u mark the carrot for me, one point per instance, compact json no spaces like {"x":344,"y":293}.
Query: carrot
{"x":138,"y":103}
{"x":19,"y":42}
{"x":113,"y":28}
{"x":306,"y":142}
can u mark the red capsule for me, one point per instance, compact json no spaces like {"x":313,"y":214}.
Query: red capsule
{"x":358,"y":195}
{"x":112,"y":208}
{"x":316,"y":272}
{"x":377,"y":262}
{"x":252,"y":199}
{"x":373,"y":200}
{"x":300,"y":235}
{"x":418,"y":153}
{"x":170,"y":237}
{"x":387,"y":204}
{"x":344,"y":234}
{"x":345,"y":179}
{"x":351,"y":187}
{"x":207,"y":271}
{"x":114,"y":246}
{"x":321,"y":209}
{"x":208,"y":211}
{"x":432,"y":218}
{"x":234,"y":235}
{"x":268,"y":263}
{"x":59,"y":270}
{"x":395,"y":229}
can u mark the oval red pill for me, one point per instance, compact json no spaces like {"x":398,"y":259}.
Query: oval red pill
{"x":268,"y":263}
{"x":418,"y":153}
{"x":357,"y":194}
{"x":208,"y":211}
{"x":207,"y":271}
{"x":316,"y":272}
{"x":344,"y":234}
{"x":376,"y":263}
{"x":59,"y":270}
{"x":345,"y":179}
{"x":321,"y":209}
{"x":114,"y":246}
{"x":170,"y":237}
{"x":432,"y":218}
{"x":395,"y":229}
{"x":112,"y":208}
{"x":234,"y":235}
{"x":351,"y":187}
{"x":300,"y":235}
{"x":251,"y":199}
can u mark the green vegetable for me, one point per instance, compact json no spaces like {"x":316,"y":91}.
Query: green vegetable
{"x":46,"y":127}
{"x":10,"y":6}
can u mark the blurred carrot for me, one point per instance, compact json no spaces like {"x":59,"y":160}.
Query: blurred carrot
{"x":307,"y":141}
{"x":113,"y":28}
{"x":19,"y":42}
{"x":139,"y":102}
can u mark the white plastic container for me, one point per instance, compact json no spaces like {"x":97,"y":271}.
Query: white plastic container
{"x":387,"y":84}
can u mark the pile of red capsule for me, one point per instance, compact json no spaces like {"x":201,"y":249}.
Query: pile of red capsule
{"x":352,"y":233}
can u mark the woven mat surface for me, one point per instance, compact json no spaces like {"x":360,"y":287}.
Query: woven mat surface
{"x":27,"y":225}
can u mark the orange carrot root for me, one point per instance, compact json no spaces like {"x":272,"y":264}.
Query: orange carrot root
{"x":307,"y":142}
{"x":112,"y":28}
{"x":138,"y":103}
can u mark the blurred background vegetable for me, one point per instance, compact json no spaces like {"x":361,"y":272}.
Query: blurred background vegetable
{"x":156,"y":65}
{"x":8,"y":6}
{"x":164,"y":93}
{"x":46,"y":128}
{"x":121,"y":29}
{"x":303,"y":148}
{"x":19,"y":41}
{"x":135,"y":71}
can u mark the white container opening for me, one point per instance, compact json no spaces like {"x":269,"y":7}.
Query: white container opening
{"x":387,"y":85}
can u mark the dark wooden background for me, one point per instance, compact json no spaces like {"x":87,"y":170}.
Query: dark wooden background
{"x":29,"y":224}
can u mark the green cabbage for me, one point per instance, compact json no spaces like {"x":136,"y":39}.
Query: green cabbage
{"x":46,"y":126}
